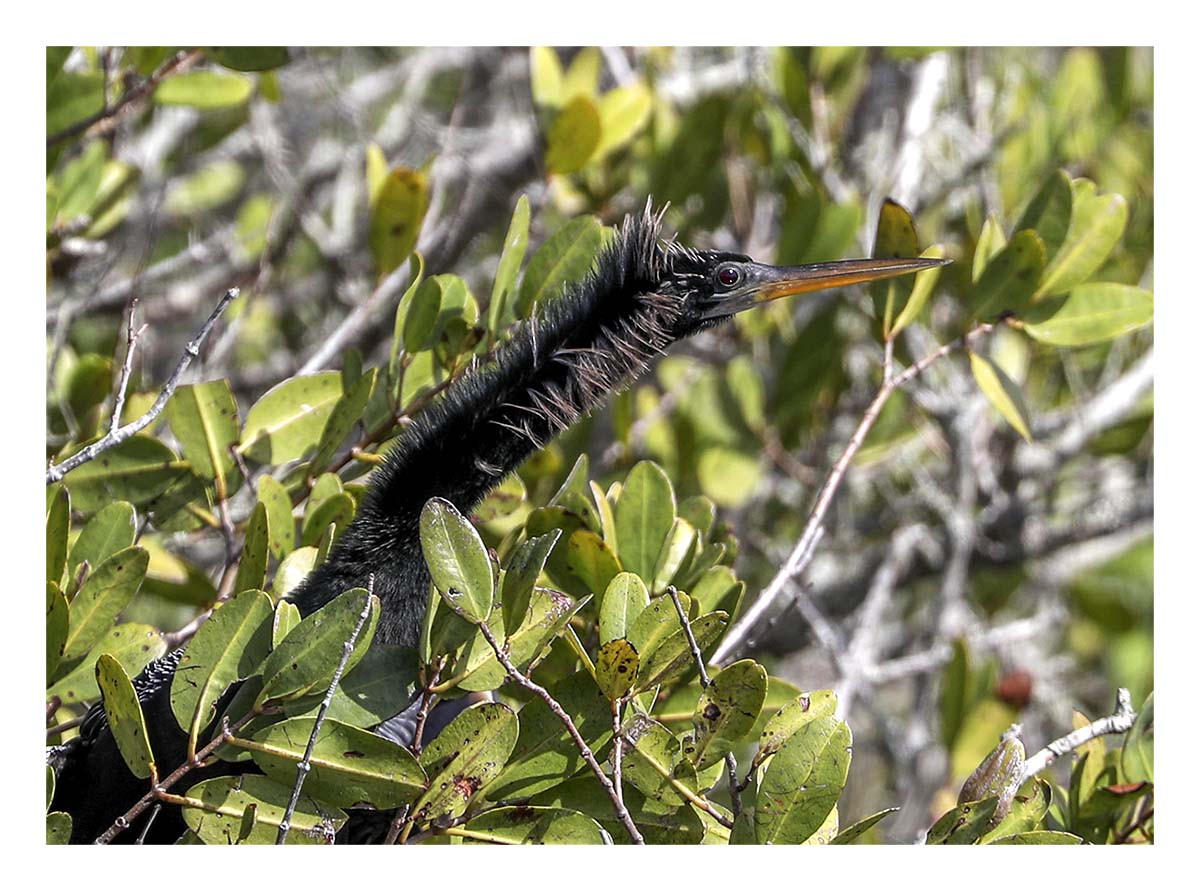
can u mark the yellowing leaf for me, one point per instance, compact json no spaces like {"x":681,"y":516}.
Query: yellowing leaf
{"x":1000,"y":390}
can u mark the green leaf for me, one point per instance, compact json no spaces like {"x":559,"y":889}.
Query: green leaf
{"x":591,"y":560}
{"x":1091,"y":313}
{"x":349,"y":766}
{"x":204,"y":418}
{"x":793,"y":715}
{"x":226,"y":799}
{"x":673,"y":656}
{"x":336,"y":511}
{"x":465,"y":757}
{"x":58,"y":828}
{"x":565,"y":257}
{"x":527,"y":825}
{"x":1049,"y":213}
{"x":1097,"y":223}
{"x":676,"y":551}
{"x":803,"y":782}
{"x":396,"y":216}
{"x":306,"y":659}
{"x":283,"y":620}
{"x":378,"y":688}
{"x":416,"y":315}
{"x":545,"y":77}
{"x":292,"y":570}
{"x":991,"y":242}
{"x":728,"y":475}
{"x":256,"y":549}
{"x":289,"y":418}
{"x":624,"y":600}
{"x":511,"y":254}
{"x":853,"y":832}
{"x":205,"y":90}
{"x":72,"y":97}
{"x":545,"y":754}
{"x":58,"y":620}
{"x":895,"y":236}
{"x":964,"y":824}
{"x":521,"y":575}
{"x":458,"y":560}
{"x":953,"y":692}
{"x":138,"y":470}
{"x":1137,"y":755}
{"x":645,"y":514}
{"x":228,"y":647}
{"x":1000,"y":390}
{"x":583,"y":74}
{"x":651,"y":760}
{"x":1008,"y":282}
{"x":1039,"y":837}
{"x":107,"y":591}
{"x":249,"y":58}
{"x":133,"y":645}
{"x":726,"y":712}
{"x":345,"y":415}
{"x":58,"y":528}
{"x":124,"y":713}
{"x":79,"y":183}
{"x":112,"y":528}
{"x":623,"y":111}
{"x":654,"y":624}
{"x":616,"y":668}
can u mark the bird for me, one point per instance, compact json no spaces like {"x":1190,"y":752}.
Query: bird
{"x":643,"y":293}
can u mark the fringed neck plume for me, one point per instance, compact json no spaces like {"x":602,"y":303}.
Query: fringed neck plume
{"x":570,"y":357}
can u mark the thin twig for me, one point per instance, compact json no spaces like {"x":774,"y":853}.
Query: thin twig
{"x":175,"y":64}
{"x":141,"y":839}
{"x":802,"y":553}
{"x":305,"y":765}
{"x":158,"y":790}
{"x":735,"y":794}
{"x":131,"y":339}
{"x":533,"y":687}
{"x":1119,"y":721}
{"x":83,"y":456}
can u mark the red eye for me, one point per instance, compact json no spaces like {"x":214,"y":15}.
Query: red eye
{"x":728,"y":276}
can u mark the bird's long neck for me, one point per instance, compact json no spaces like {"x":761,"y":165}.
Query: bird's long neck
{"x":571,"y":357}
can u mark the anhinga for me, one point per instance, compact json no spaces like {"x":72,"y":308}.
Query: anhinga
{"x":642,"y":295}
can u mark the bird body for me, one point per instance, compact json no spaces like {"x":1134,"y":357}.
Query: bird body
{"x":642,"y":295}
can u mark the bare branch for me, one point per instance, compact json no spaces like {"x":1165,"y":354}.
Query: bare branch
{"x":1119,"y":721}
{"x":116,"y":437}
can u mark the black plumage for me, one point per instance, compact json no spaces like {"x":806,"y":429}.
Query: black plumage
{"x":641,"y":296}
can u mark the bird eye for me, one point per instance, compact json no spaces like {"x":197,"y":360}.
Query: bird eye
{"x":729,"y":276}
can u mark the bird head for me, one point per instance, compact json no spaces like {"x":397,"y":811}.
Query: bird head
{"x":715,"y":285}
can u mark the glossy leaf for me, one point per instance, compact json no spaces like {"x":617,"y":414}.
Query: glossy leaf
{"x":802,"y":783}
{"x":138,"y":470}
{"x":465,"y":757}
{"x":458,"y":560}
{"x":106,"y":591}
{"x":1008,"y":282}
{"x":133,"y":645}
{"x":349,"y":766}
{"x":225,"y":800}
{"x":651,"y":759}
{"x":1000,"y":390}
{"x":283,"y":620}
{"x":964,"y":824}
{"x":112,"y":528}
{"x":1091,"y":313}
{"x":289,"y":418}
{"x":673,"y":656}
{"x":292,"y":570}
{"x":1097,"y":223}
{"x":204,"y":418}
{"x":645,"y":515}
{"x":793,"y":715}
{"x":521,"y":575}
{"x":256,"y":550}
{"x":511,"y":255}
{"x":345,"y":415}
{"x":228,"y":647}
{"x":124,"y":714}
{"x":564,"y":257}
{"x":616,"y":668}
{"x":654,"y":624}
{"x":527,"y":825}
{"x":591,"y":560}
{"x":726,"y":712}
{"x":545,"y":754}
{"x":336,"y":511}
{"x":624,"y":600}
{"x":306,"y":659}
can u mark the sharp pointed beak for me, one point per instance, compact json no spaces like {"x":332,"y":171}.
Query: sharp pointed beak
{"x":765,"y":283}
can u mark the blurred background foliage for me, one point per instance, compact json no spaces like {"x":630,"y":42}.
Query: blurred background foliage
{"x":387,"y":214}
